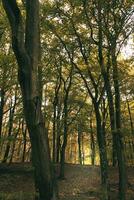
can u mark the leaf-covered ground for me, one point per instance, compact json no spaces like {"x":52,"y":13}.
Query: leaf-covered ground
{"x":81,"y":183}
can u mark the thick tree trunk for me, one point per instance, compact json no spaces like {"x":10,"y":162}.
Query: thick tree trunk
{"x":26,"y":48}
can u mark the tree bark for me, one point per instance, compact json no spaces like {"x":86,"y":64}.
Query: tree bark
{"x":14,"y":142}
{"x":11,"y":118}
{"x":130,"y":116}
{"x":58,"y":127}
{"x":24,"y":132}
{"x":63,"y":147}
{"x":103,"y":154}
{"x":2,"y":102}
{"x":79,"y":144}
{"x":67,"y":87}
{"x":119,"y":142}
{"x":55,"y":116}
{"x":92,"y":143}
{"x":26,"y":48}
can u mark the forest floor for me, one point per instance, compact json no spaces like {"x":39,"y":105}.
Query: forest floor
{"x":81,"y":183}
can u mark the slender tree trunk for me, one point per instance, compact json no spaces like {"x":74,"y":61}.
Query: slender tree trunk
{"x":11,"y":118}
{"x":2,"y":100}
{"x":103,"y":154}
{"x":58,"y":147}
{"x":79,"y":144}
{"x":14,"y":143}
{"x":56,"y":113}
{"x":111,"y":113}
{"x":92,"y":143}
{"x":105,"y":74}
{"x":83,"y":152}
{"x":130,"y":116}
{"x":119,"y":142}
{"x":54,"y":132}
{"x":67,"y":87}
{"x":24,"y":143}
{"x":58,"y":142}
{"x":63,"y":147}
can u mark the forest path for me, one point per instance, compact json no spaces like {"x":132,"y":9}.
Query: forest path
{"x":81,"y":182}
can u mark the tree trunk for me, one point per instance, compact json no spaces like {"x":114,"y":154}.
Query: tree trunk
{"x":11,"y":118}
{"x":24,"y":132}
{"x":79,"y":144}
{"x":14,"y":143}
{"x":63,"y":147}
{"x":2,"y":100}
{"x":67,"y":87}
{"x":119,"y":142}
{"x":92,"y":143}
{"x":103,"y":154}
{"x":26,"y":48}
{"x":58,"y":142}
{"x":111,"y":113}
{"x":130,"y":116}
{"x":105,"y":74}
{"x":54,"y":132}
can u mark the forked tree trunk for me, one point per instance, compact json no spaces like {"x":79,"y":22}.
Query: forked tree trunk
{"x":67,"y":88}
{"x":107,"y":85}
{"x":102,"y":153}
{"x":26,"y":49}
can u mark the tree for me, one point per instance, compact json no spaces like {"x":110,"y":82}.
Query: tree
{"x":25,"y":43}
